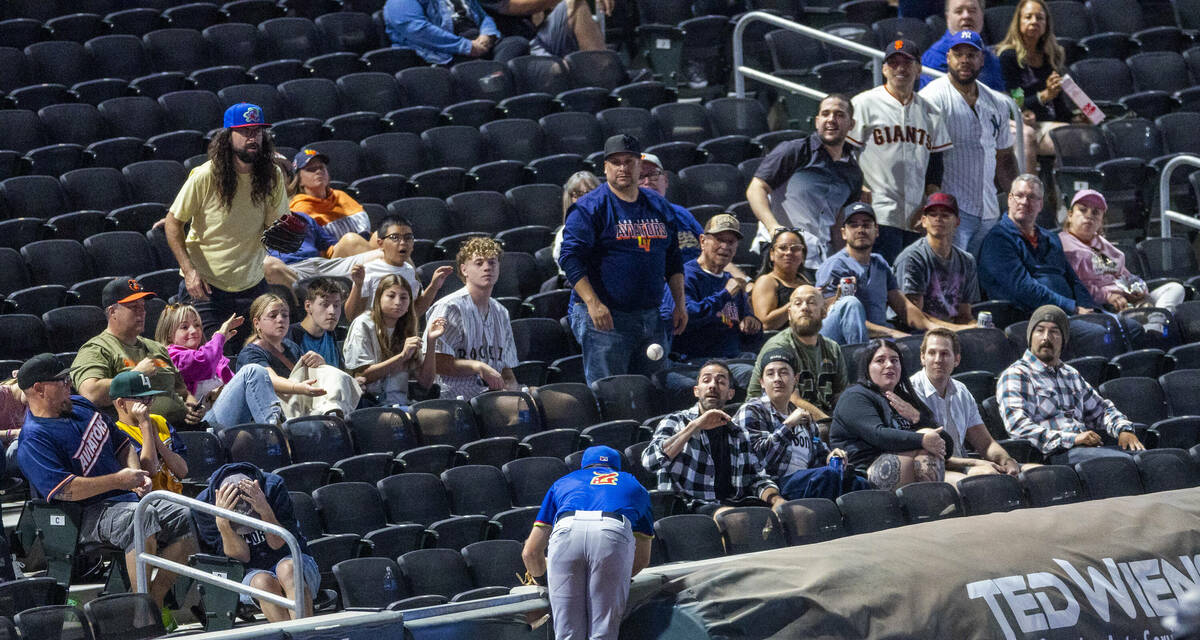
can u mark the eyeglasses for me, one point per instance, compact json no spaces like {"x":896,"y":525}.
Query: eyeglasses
{"x":650,"y":175}
{"x":791,"y":248}
{"x":1027,"y":197}
{"x":577,"y":194}
{"x":396,"y":237}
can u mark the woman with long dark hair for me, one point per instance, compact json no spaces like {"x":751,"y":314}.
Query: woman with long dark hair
{"x":782,"y":273}
{"x":884,"y":428}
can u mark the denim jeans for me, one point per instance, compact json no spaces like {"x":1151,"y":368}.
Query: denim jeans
{"x":971,"y":231}
{"x":680,"y":379}
{"x":892,"y":240}
{"x":845,"y":321}
{"x":248,"y":397}
{"x":1075,"y":455}
{"x":620,"y":351}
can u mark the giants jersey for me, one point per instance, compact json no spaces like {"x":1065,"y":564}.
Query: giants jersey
{"x":896,"y":141}
{"x":472,"y":336}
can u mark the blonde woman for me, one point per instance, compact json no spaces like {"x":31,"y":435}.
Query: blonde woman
{"x":384,"y":346}
{"x":307,"y":385}
{"x":1031,"y":60}
{"x":575,"y":188}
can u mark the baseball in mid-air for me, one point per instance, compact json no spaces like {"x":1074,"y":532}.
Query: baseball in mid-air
{"x":654,"y":351}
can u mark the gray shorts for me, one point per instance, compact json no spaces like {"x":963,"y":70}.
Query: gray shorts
{"x":112,"y":523}
{"x":554,"y":36}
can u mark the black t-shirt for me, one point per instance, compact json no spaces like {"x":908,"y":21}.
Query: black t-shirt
{"x":508,"y":25}
{"x":718,"y":440}
{"x":1032,"y":80}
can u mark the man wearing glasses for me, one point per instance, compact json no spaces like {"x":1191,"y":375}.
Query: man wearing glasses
{"x":1025,"y":264}
{"x":804,"y":183}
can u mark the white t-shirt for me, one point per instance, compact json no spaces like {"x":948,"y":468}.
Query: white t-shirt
{"x":471,"y":335}
{"x":376,"y":269}
{"x":361,"y":349}
{"x":896,"y":141}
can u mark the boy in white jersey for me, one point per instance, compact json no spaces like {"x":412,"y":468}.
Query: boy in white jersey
{"x":477,"y":352}
{"x":395,"y":237}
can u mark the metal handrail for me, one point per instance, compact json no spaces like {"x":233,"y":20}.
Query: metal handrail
{"x":1164,"y":198}
{"x":143,"y":558}
{"x":741,"y":71}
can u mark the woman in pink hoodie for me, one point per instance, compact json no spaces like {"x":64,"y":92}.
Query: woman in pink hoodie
{"x":230,"y":399}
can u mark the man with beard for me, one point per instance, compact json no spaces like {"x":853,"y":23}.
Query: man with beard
{"x":619,"y":248}
{"x":873,"y":283}
{"x":936,"y":276}
{"x":820,"y":371}
{"x":902,"y":139}
{"x":229,"y":201}
{"x":1048,"y":402}
{"x":963,"y":15}
{"x":803,"y":184}
{"x":71,"y":453}
{"x":981,"y":159}
{"x":700,"y":454}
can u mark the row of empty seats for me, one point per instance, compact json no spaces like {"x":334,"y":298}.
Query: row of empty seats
{"x":38,"y":608}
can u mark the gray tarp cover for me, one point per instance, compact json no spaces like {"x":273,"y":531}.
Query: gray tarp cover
{"x":1092,"y":570}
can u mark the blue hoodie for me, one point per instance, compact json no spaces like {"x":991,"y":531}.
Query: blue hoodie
{"x":627,"y":250}
{"x":262,"y":556}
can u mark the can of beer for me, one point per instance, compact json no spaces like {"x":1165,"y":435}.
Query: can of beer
{"x":985,"y":320}
{"x":836,"y":463}
{"x":847,"y":286}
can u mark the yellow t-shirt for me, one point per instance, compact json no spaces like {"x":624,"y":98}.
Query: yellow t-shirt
{"x":224,"y":245}
{"x":164,"y":479}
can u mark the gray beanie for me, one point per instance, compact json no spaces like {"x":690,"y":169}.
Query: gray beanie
{"x":1048,"y":313}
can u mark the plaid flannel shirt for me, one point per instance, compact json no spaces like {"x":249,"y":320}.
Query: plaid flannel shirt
{"x":1051,"y":406}
{"x":692,"y":472}
{"x":772,"y":441}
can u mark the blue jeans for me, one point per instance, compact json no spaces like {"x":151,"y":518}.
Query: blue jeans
{"x":1075,"y":455}
{"x":248,"y":397}
{"x":971,"y":231}
{"x":620,"y":351}
{"x":845,"y":321}
{"x":679,"y":381}
{"x":892,"y":240}
{"x":821,"y":482}
{"x":1092,"y":333}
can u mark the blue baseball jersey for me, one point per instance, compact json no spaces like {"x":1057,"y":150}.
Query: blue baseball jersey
{"x":54,"y":451}
{"x":599,"y":489}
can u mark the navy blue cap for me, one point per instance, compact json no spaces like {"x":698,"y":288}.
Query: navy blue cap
{"x":857,"y":207}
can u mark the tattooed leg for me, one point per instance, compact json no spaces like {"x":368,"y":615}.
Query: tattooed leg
{"x":884,"y":473}
{"x":928,"y":468}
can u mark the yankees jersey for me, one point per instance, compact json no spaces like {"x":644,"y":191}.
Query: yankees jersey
{"x":896,"y":141}
{"x":471,"y":335}
{"x":599,"y":489}
{"x":977,"y":133}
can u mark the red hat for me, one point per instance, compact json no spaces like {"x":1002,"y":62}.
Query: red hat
{"x":940,"y":199}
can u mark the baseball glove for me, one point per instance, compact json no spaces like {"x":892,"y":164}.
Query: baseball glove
{"x":286,"y":234}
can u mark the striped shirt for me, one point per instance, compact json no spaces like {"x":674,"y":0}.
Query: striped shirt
{"x":970,"y":165}
{"x":896,"y":141}
{"x":1051,"y":406}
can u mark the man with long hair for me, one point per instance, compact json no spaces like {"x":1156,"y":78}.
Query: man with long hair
{"x":228,"y":202}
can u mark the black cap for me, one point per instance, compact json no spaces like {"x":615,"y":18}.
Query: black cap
{"x":622,"y":143}
{"x":780,"y":354}
{"x":43,"y":367}
{"x":905,"y":47}
{"x":121,"y":290}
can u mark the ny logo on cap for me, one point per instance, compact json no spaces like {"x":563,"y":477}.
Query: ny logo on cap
{"x":252,"y":114}
{"x":134,"y":285}
{"x":964,"y":34}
